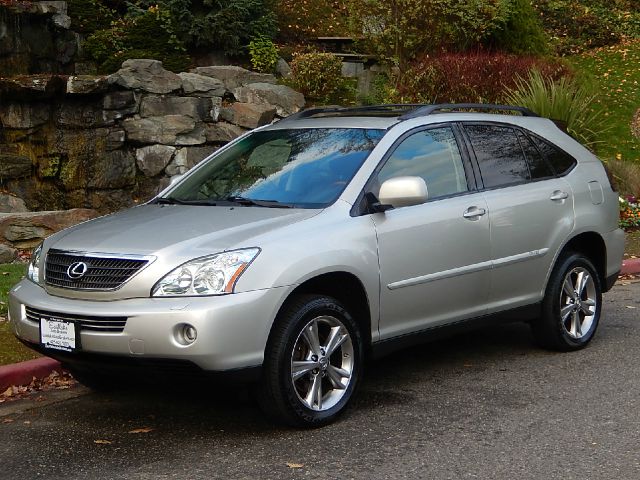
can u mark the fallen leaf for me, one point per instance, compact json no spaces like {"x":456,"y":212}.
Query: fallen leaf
{"x":102,"y":442}
{"x":7,"y":420}
{"x":141,"y":430}
{"x":295,"y":465}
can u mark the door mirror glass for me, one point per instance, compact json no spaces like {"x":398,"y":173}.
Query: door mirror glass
{"x":403,"y":191}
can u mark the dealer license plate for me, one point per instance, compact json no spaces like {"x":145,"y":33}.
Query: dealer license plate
{"x":58,"y":334}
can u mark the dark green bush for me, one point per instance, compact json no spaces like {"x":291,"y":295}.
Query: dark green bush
{"x":522,"y":33}
{"x":87,"y":16}
{"x":149,"y":34}
{"x":228,"y":25}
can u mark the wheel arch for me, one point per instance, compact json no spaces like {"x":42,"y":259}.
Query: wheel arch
{"x":591,"y":245}
{"x":347,"y":289}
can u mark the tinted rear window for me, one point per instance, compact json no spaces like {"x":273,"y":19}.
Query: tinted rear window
{"x":538,"y":165}
{"x":499,"y":155}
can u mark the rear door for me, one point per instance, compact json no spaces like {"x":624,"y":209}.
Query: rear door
{"x":435,"y":257}
{"x":531,"y":212}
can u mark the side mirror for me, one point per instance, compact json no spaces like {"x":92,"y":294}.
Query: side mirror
{"x":403,"y":191}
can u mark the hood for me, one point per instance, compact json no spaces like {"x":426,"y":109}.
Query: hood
{"x":150,"y":229}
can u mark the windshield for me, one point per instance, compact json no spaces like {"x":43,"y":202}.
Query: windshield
{"x":307,"y":168}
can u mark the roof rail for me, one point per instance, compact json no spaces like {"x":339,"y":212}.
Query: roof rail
{"x":404,"y":111}
{"x":429,"y":109}
{"x":342,"y":111}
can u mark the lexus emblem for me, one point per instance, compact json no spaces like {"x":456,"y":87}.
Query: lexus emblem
{"x":77,"y":270}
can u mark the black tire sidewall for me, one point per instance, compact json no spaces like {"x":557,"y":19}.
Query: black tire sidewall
{"x":280,"y":349}
{"x":551,"y":304}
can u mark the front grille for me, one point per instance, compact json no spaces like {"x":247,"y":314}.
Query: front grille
{"x":86,"y":322}
{"x":102,"y":272}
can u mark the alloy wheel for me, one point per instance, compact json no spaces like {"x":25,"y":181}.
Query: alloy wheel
{"x":322,"y":363}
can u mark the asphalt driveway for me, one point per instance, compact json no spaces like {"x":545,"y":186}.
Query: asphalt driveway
{"x":487,"y":405}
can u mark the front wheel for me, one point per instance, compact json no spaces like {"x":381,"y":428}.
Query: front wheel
{"x":571,"y":306}
{"x":313,"y":362}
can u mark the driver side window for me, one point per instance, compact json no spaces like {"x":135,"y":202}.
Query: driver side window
{"x":433,"y":155}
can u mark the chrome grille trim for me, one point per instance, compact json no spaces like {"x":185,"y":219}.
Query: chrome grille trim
{"x":105,"y":271}
{"x":87,"y":322}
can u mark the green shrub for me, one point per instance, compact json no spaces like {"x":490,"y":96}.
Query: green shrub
{"x":149,"y":34}
{"x":398,"y":31}
{"x":228,"y":25}
{"x":264,"y":54}
{"x":317,"y":75}
{"x":563,"y":99}
{"x":522,"y":33}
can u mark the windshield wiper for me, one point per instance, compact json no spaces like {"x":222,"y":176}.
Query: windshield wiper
{"x":175,"y":201}
{"x":254,"y":202}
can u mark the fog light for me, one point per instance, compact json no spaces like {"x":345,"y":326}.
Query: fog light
{"x":189,"y":333}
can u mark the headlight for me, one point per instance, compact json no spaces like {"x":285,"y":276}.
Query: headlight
{"x":211,"y":275}
{"x":33,"y":271}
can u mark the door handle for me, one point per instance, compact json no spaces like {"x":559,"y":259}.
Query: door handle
{"x":559,"y":195}
{"x":473,"y":213}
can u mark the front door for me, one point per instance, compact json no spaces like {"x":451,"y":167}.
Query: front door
{"x":434,"y":258}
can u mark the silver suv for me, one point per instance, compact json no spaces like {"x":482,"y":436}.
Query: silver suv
{"x":301,"y":249}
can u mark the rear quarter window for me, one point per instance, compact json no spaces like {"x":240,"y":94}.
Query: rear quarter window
{"x":561,"y":162}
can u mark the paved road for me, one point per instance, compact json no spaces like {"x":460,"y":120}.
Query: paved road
{"x":487,"y":405}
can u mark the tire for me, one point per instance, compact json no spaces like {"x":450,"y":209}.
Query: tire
{"x":313,"y":362}
{"x":570,"y":315}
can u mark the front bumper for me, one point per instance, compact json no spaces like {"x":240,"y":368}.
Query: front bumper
{"x":232,"y":330}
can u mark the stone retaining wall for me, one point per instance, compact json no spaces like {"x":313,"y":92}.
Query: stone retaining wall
{"x":105,"y":143}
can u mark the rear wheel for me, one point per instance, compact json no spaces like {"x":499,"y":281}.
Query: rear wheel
{"x":571,"y":306}
{"x":313,"y":362}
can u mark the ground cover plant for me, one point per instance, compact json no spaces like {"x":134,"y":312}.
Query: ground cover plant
{"x":11,"y":350}
{"x":615,"y":70}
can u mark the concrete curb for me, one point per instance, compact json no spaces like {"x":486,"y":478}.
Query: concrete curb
{"x":22,"y":373}
{"x":630,"y":266}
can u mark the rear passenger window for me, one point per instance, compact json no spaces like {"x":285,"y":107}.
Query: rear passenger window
{"x":499,"y":155}
{"x":433,"y":155}
{"x":538,"y":165}
{"x":561,"y":161}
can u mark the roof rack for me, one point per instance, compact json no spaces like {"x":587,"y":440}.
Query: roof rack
{"x":429,"y":109}
{"x":404,"y":111}
{"x":338,"y":111}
